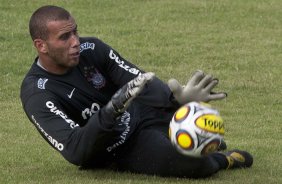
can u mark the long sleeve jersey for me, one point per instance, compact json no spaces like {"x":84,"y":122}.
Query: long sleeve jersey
{"x":68,"y":112}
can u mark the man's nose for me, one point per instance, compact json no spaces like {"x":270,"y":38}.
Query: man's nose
{"x":75,"y":40}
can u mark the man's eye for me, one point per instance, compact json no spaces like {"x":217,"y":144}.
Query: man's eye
{"x":65,"y":36}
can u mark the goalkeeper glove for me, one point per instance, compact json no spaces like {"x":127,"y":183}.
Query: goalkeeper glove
{"x":199,"y":88}
{"x":123,"y":97}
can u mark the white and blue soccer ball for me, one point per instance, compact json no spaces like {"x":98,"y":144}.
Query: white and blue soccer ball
{"x":196,"y":129}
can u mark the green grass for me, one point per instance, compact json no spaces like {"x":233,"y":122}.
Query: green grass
{"x":238,"y":41}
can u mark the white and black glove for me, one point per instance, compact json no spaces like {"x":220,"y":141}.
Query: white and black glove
{"x":123,"y":97}
{"x":199,"y":88}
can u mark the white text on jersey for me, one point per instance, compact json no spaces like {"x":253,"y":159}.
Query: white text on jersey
{"x":121,"y":63}
{"x":86,"y":45}
{"x":50,"y":105}
{"x":53,"y":141}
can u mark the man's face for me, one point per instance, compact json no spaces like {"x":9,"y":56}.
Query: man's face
{"x":63,"y":43}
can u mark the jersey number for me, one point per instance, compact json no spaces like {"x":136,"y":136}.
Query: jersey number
{"x":87,"y":113}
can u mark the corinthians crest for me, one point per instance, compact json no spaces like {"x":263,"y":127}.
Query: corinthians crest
{"x":95,"y":77}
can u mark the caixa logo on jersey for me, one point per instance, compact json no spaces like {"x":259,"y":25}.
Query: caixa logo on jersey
{"x":87,"y":45}
{"x":50,"y":105}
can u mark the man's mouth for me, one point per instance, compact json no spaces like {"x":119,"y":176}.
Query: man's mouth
{"x":75,"y":54}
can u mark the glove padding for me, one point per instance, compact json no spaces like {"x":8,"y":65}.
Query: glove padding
{"x":199,"y":88}
{"x":123,"y":97}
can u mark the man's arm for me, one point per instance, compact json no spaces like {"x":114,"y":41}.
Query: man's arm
{"x":120,"y":71}
{"x":75,"y":143}
{"x":87,"y":145}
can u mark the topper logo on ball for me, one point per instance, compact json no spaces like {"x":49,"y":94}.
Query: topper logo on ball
{"x":211,"y":123}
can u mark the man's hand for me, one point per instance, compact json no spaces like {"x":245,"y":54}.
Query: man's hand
{"x":199,"y":88}
{"x":122,"y":98}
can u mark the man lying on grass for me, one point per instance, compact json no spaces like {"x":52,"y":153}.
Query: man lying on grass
{"x":101,"y":111}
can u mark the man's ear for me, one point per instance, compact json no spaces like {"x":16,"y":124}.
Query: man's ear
{"x":40,"y":45}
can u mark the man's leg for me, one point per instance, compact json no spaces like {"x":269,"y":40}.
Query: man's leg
{"x":150,"y":152}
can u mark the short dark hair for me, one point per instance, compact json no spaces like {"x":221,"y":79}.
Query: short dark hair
{"x":39,"y":19}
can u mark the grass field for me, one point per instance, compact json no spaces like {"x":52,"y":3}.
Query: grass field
{"x":238,"y":41}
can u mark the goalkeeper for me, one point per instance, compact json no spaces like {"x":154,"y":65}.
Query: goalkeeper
{"x":100,"y":111}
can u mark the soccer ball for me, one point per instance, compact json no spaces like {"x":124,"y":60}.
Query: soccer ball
{"x":196,"y":129}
